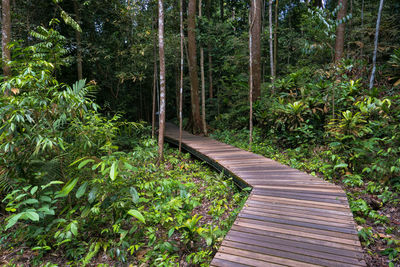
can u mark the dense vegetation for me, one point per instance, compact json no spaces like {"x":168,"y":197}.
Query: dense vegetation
{"x":79,"y":174}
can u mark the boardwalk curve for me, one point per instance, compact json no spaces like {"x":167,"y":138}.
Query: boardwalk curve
{"x":290,"y":218}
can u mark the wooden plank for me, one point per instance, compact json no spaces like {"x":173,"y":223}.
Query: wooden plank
{"x":269,"y":220}
{"x":298,"y":202}
{"x":328,"y":244}
{"x":297,"y":232}
{"x":306,"y":209}
{"x":244,"y":260}
{"x":264,"y":257}
{"x":225,"y":263}
{"x":295,"y":254}
{"x":299,"y":218}
{"x":286,"y":244}
{"x":301,"y":215}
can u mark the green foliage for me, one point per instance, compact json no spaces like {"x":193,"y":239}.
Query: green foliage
{"x":69,"y":187}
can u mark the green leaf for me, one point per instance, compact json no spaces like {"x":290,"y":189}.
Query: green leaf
{"x":51,"y":183}
{"x":67,"y":188}
{"x":113,"y":171}
{"x":341,"y":165}
{"x":134,"y":194}
{"x":33,"y":216}
{"x":83,"y":163}
{"x":171,"y":232}
{"x":13,"y":220}
{"x":137,"y":215}
{"x":33,"y":190}
{"x":92,"y":195}
{"x":81,"y":190}
{"x":74,"y":229}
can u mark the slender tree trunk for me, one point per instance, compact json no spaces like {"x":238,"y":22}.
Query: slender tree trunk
{"x":276,"y":36}
{"x":340,"y":31}
{"x":153,"y":114}
{"x":6,"y":36}
{"x":251,"y":84}
{"x":271,"y":46}
{"x":362,"y":13}
{"x":78,"y":42}
{"x":203,"y":83}
{"x":255,"y":13}
{"x":197,"y":125}
{"x":210,"y":79}
{"x":162,"y":80}
{"x":181,"y":76}
{"x":378,"y":22}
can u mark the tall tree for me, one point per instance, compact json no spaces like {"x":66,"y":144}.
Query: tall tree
{"x":210,"y":77}
{"x":197,"y":125}
{"x":251,"y":25}
{"x":271,"y":45}
{"x":203,"y":83}
{"x":153,"y":113}
{"x":276,"y":36}
{"x":181,"y":72}
{"x":378,"y":22}
{"x":340,"y":31}
{"x":255,"y":16}
{"x":6,"y":35}
{"x":162,"y":80}
{"x":79,"y":58}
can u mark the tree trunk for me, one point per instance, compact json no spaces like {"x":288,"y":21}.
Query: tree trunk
{"x":197,"y":126}
{"x":255,"y":15}
{"x":251,"y":25}
{"x":378,"y":22}
{"x":203,"y":83}
{"x":6,"y":36}
{"x":153,"y":114}
{"x":271,"y":46}
{"x":181,"y":76}
{"x":78,"y":42}
{"x":162,"y":80}
{"x":210,"y":79}
{"x":276,"y":36}
{"x":340,"y":31}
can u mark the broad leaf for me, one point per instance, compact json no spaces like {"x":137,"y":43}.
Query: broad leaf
{"x":137,"y":215}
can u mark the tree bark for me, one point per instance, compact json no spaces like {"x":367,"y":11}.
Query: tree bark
{"x":6,"y":36}
{"x":271,"y":46}
{"x":153,"y":114}
{"x":162,"y":81}
{"x":340,"y":31}
{"x":276,"y":36}
{"x":78,"y":42}
{"x":210,"y":78}
{"x":203,"y":83}
{"x":181,"y":76}
{"x":255,"y":15}
{"x":378,"y":22}
{"x":251,"y":25}
{"x":197,"y":125}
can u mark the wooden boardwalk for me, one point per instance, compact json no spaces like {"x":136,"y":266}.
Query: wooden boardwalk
{"x":290,"y":218}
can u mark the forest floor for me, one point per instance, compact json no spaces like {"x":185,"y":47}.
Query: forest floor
{"x":219,"y":201}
